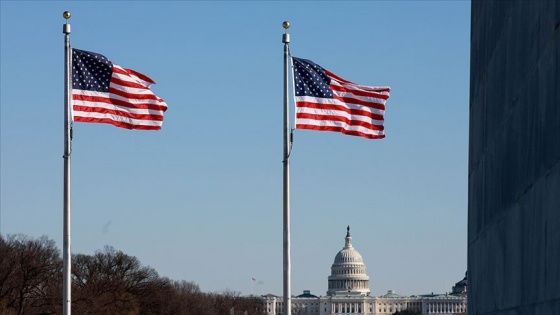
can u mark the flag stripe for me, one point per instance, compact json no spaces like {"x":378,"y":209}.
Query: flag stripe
{"x":147,"y":82}
{"x":384,"y":90}
{"x":132,"y":94}
{"x":114,"y":120}
{"x":107,"y":93}
{"x":118,"y":112}
{"x":354,"y":131}
{"x":106,"y":98}
{"x":337,"y":87}
{"x":366,"y":112}
{"x":338,"y":119}
{"x":326,"y":102}
{"x":350,"y":99}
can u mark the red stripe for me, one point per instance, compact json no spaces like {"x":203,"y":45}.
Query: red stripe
{"x":339,"y":129}
{"x":358,"y":92}
{"x":116,"y":123}
{"x":138,"y":74}
{"x":350,"y":122}
{"x":334,"y":76}
{"x":130,"y":84}
{"x":134,"y":96}
{"x":370,"y":88}
{"x":118,"y":113}
{"x":108,"y":100}
{"x":359,"y":102}
{"x":340,"y":108}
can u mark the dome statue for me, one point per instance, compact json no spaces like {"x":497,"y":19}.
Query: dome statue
{"x":348,"y":272}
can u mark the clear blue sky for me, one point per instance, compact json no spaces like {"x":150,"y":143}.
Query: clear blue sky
{"x":201,"y":200}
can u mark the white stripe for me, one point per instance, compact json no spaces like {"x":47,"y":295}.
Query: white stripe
{"x":383,"y":90}
{"x":331,"y":101}
{"x":107,"y":95}
{"x":329,"y":123}
{"x":130,"y":77}
{"x":138,"y":122}
{"x":368,"y":99}
{"x":338,"y":113}
{"x":141,"y":111}
{"x":132,"y":90}
{"x":140,"y":81}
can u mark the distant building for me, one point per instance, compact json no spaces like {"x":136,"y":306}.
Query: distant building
{"x":348,"y":293}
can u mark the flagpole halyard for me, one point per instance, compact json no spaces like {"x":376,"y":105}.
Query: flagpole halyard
{"x":286,"y":185}
{"x":66,"y":253}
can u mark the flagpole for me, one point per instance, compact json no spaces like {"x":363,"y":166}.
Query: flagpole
{"x":66,"y":256}
{"x":286,"y":186}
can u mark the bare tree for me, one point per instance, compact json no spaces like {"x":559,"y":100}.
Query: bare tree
{"x":107,"y":282}
{"x":110,"y":282}
{"x":7,"y":271}
{"x":28,"y":268}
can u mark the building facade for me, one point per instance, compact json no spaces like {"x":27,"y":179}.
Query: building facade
{"x":514,"y":158}
{"x":348,"y":293}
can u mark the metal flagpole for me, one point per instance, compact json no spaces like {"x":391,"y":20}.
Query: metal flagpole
{"x":66,"y":257}
{"x":286,"y":162}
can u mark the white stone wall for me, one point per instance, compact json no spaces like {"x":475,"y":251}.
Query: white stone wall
{"x":365,"y":305}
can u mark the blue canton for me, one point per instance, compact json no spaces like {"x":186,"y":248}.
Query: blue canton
{"x":310,"y":79}
{"x":90,"y":71}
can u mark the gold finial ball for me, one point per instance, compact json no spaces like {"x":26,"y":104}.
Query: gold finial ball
{"x":66,"y":15}
{"x":286,"y":25}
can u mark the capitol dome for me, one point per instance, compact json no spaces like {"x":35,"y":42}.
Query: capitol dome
{"x":348,"y":255}
{"x":348,"y":272}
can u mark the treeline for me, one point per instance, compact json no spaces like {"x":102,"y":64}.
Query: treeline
{"x":107,"y":282}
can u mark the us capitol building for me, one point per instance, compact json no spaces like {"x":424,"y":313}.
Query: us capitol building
{"x":348,"y":293}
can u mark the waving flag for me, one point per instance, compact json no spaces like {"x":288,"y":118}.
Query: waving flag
{"x":103,"y":92}
{"x":326,"y":102}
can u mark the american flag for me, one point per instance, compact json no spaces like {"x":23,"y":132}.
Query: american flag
{"x":326,"y":102}
{"x":103,"y":92}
